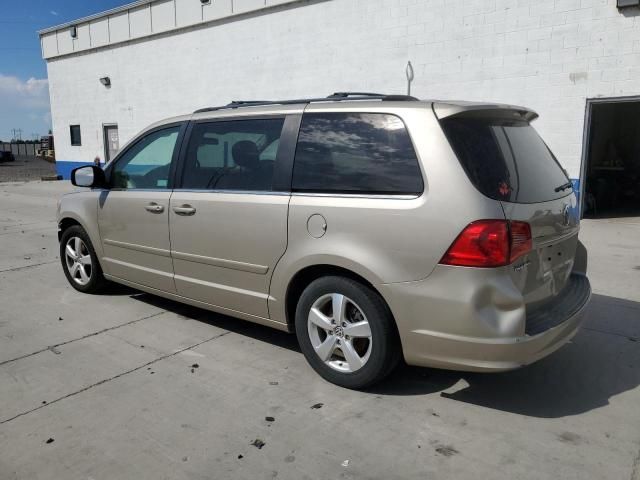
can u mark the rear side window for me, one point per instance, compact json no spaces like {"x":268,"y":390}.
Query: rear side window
{"x":355,"y":153}
{"x":232,"y":155}
{"x":506,"y":160}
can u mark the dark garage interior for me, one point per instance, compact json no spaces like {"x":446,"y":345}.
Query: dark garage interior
{"x":612,"y":174}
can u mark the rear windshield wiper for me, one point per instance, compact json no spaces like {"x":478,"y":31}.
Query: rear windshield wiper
{"x":564,"y":186}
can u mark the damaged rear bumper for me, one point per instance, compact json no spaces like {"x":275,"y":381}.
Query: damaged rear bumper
{"x":486,"y":329}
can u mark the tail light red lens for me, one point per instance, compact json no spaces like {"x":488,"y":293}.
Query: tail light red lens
{"x":489,"y":243}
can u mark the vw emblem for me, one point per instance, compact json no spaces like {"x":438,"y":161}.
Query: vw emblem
{"x":566,"y":218}
{"x":338,"y":331}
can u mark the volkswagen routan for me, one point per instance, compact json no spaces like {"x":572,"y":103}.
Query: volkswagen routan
{"x":374,"y":227}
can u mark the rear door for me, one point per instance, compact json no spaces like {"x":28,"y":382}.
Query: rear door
{"x":507,"y":160}
{"x":228,"y":218}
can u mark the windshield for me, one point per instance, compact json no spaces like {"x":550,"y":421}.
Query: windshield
{"x":506,"y":160}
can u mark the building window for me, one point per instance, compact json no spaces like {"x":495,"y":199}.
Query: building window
{"x":75,"y":135}
{"x":628,"y":3}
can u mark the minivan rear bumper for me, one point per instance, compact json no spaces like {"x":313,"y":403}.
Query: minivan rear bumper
{"x":436,"y":337}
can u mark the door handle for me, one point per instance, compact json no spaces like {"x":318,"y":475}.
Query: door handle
{"x":153,"y":207}
{"x":184,"y":210}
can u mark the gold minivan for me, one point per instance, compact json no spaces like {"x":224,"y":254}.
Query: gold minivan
{"x":375,"y":227}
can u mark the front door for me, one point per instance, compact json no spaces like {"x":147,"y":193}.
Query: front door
{"x":111,"y":142}
{"x":133,"y":213}
{"x":228,"y":225}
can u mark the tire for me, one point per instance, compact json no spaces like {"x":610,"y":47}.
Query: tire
{"x":83,"y":276}
{"x":331,"y":354}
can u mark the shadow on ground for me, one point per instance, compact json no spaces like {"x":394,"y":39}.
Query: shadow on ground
{"x":602,"y":361}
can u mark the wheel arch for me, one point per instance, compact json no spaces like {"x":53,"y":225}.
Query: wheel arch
{"x":303,"y":278}
{"x":65,"y":223}
{"x":69,"y":219}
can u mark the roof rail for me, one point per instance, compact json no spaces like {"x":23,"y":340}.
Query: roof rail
{"x":335,"y":97}
{"x":354,"y":94}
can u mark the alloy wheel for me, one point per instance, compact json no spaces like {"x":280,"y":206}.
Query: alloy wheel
{"x":339,"y":332}
{"x":78,"y":260}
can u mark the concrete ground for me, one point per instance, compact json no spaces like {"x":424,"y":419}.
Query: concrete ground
{"x":26,"y":168}
{"x":130,"y":386}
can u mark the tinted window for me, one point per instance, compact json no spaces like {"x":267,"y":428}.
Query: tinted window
{"x":506,"y":160}
{"x":232,"y":155}
{"x":74,"y":131}
{"x":355,"y":153}
{"x":147,"y":163}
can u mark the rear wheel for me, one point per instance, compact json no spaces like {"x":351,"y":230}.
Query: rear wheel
{"x":346,"y":332}
{"x":79,"y":261}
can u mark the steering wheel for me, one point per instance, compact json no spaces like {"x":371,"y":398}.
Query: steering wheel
{"x":211,"y":184}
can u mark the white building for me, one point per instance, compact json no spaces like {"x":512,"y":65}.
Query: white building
{"x":576,"y":62}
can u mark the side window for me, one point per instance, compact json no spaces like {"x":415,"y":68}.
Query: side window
{"x":355,"y":153}
{"x":147,"y":163}
{"x":232,"y":155}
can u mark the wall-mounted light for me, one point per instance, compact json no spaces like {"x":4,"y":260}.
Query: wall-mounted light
{"x":628,"y":3}
{"x":73,"y":31}
{"x":205,"y":2}
{"x":106,"y":81}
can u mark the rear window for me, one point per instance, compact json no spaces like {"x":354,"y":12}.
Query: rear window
{"x":355,"y":153}
{"x":506,"y":160}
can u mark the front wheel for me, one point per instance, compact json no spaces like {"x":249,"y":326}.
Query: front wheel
{"x":346,"y":332}
{"x":79,"y":261}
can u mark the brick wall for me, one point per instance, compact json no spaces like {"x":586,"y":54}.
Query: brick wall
{"x":550,"y":55}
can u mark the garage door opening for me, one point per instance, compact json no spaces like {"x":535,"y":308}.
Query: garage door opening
{"x":612,"y":164}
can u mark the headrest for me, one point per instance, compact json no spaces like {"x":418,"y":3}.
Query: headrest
{"x":245,"y":153}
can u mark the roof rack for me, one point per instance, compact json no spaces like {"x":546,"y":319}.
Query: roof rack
{"x":334,"y":97}
{"x":355,"y":94}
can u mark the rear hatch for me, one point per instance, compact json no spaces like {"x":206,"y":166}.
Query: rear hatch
{"x":506,"y":160}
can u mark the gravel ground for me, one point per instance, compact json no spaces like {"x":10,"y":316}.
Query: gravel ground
{"x":25,"y":169}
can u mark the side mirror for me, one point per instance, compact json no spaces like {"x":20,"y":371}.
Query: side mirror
{"x":88,"y":176}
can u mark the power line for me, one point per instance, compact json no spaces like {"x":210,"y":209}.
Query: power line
{"x":19,"y":48}
{"x":17,"y":133}
{"x":21,"y":22}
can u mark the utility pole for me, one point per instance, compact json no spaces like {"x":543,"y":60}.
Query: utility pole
{"x":17,"y":133}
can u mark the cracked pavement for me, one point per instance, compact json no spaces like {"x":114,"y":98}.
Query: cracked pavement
{"x":127,"y":385}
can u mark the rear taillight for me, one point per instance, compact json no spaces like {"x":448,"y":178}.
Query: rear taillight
{"x":489,"y":243}
{"x":521,"y":243}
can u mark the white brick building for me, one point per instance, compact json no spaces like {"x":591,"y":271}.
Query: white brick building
{"x":168,"y":57}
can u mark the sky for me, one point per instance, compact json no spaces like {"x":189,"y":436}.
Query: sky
{"x":24,"y":93}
